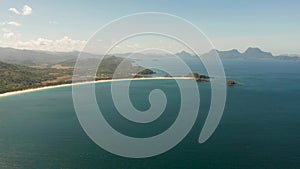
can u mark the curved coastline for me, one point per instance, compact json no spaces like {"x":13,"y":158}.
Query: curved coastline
{"x":88,"y":82}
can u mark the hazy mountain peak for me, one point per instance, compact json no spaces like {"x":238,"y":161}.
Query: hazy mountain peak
{"x":184,"y":54}
{"x":255,"y":49}
{"x":256,"y":52}
{"x":234,"y":51}
{"x":230,"y":53}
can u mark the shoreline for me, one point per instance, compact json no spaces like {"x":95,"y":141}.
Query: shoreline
{"x":87,"y":82}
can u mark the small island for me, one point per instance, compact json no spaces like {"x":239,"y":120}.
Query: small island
{"x":232,"y":83}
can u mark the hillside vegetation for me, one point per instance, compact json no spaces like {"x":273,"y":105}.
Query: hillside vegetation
{"x":15,"y":77}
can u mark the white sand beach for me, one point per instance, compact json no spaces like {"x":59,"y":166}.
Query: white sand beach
{"x":89,"y":82}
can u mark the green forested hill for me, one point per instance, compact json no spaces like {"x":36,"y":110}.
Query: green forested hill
{"x":24,"y":69}
{"x":15,"y":77}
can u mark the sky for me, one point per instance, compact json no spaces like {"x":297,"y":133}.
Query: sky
{"x":56,"y":25}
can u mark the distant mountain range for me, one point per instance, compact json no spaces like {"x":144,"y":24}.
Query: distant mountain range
{"x":37,"y":58}
{"x":250,"y":52}
{"x":255,"y":53}
{"x":23,"y":69}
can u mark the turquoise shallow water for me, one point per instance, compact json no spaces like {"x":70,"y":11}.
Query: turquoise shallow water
{"x":259,"y":129}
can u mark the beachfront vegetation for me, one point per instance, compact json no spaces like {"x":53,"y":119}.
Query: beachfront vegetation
{"x":15,"y":77}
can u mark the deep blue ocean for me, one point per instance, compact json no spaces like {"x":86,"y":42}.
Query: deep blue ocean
{"x":260,"y":127}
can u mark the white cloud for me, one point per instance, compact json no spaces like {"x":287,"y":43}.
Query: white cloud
{"x":14,"y":23}
{"x":14,"y":10}
{"x":53,"y":22}
{"x":133,"y":46}
{"x":5,"y":30}
{"x":27,"y":10}
{"x":9,"y":35}
{"x":64,"y":44}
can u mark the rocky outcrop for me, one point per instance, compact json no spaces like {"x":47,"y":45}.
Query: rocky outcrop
{"x":146,"y":72}
{"x":198,"y":78}
{"x":232,"y":83}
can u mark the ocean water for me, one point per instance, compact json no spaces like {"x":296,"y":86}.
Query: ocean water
{"x":260,"y":127}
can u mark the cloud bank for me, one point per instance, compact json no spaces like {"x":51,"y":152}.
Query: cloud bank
{"x":64,"y":44}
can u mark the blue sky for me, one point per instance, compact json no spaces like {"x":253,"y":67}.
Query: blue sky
{"x":272,"y":25}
